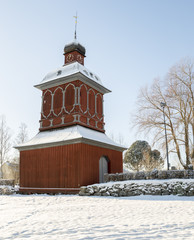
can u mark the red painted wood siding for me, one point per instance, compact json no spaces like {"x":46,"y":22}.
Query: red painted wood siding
{"x":89,"y":113}
{"x":76,"y":57}
{"x":69,"y":166}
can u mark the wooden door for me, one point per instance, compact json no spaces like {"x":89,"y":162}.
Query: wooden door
{"x":103,"y":168}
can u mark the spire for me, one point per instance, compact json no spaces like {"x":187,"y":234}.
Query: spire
{"x":74,"y":51}
{"x":75,"y":36}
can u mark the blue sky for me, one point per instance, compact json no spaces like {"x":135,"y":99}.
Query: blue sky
{"x":128,"y":43}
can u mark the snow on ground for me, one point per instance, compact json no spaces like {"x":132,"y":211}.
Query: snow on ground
{"x":62,"y":217}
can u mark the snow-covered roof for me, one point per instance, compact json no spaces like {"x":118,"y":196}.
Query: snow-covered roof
{"x":70,"y":135}
{"x":74,"y":46}
{"x":68,"y":70}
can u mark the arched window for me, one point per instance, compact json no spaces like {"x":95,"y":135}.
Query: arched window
{"x":99,"y":102}
{"x":69,"y":98}
{"x":91,"y":102}
{"x":46,"y":103}
{"x":83,"y":98}
{"x":58,"y":101}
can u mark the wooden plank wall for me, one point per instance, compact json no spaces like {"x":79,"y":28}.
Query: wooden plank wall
{"x":68,"y":166}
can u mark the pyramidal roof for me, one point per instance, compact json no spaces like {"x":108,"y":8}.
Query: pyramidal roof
{"x":71,"y":71}
{"x":70,"y":135}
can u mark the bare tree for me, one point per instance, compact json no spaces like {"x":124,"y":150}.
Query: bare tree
{"x":20,"y":138}
{"x":177,"y":92}
{"x":23,"y":134}
{"x":5,"y":144}
{"x":117,"y":138}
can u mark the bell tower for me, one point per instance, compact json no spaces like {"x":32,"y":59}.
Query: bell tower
{"x":71,"y":148}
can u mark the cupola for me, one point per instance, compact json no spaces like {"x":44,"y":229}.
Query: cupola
{"x":74,"y":52}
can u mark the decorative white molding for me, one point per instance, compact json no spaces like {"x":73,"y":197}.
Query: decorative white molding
{"x":75,"y":118}
{"x":62,"y":118}
{"x":51,"y":123}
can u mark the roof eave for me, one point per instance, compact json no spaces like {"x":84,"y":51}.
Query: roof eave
{"x":72,"y":141}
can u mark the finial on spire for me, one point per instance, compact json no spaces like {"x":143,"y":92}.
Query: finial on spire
{"x":75,"y":36}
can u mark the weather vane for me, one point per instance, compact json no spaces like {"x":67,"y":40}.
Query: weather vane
{"x":75,"y":25}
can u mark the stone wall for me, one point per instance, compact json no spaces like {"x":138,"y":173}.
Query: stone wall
{"x":7,"y":182}
{"x":155,"y":183}
{"x":6,"y":187}
{"x":155,"y":174}
{"x":131,"y":188}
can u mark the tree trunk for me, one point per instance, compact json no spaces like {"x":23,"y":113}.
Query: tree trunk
{"x":187,"y":152}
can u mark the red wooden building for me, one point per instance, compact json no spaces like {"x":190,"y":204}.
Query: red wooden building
{"x":71,"y":148}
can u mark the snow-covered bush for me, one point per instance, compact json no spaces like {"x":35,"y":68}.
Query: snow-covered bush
{"x":139,"y":156}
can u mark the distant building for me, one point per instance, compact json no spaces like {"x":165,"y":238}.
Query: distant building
{"x":11,"y":171}
{"x":71,"y":148}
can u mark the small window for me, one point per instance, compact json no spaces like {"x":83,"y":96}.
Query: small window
{"x":85,"y":72}
{"x":96,"y":78}
{"x":59,"y":72}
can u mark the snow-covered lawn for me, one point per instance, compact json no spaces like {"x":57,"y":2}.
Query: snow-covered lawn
{"x":62,"y":217}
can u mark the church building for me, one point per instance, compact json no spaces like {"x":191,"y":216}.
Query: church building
{"x":71,"y":149}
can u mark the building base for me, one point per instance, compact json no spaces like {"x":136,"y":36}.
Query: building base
{"x":30,"y":190}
